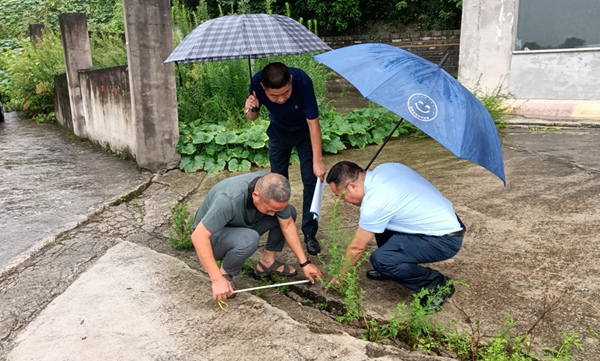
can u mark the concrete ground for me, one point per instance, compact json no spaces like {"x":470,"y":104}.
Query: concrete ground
{"x":113,"y":288}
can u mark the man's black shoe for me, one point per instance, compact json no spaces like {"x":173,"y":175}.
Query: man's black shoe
{"x":374,"y":275}
{"x":434,"y":301}
{"x":312,"y":245}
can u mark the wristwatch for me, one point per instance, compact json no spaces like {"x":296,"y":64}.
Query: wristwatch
{"x":305,"y":263}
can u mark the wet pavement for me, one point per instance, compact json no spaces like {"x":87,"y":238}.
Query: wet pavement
{"x":112,"y":286}
{"x":50,"y":182}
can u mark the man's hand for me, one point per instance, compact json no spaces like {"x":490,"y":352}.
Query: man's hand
{"x":251,"y":103}
{"x":319,"y":169}
{"x":311,"y":271}
{"x":221,"y":289}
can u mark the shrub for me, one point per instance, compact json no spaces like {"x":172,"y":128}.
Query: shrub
{"x":181,"y":230}
{"x":32,"y":76}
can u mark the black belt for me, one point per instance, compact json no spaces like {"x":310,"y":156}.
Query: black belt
{"x":456,"y":234}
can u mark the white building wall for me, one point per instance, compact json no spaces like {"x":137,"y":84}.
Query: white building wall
{"x":570,"y":75}
{"x":487,"y":60}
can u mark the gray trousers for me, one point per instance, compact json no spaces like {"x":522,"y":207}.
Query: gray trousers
{"x":234,"y":245}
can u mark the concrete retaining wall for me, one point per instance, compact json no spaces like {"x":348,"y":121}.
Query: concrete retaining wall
{"x":130,"y":109}
{"x":107,"y":106}
{"x":62,"y":105}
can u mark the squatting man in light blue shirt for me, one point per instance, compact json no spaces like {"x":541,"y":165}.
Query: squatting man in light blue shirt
{"x":411,"y":221}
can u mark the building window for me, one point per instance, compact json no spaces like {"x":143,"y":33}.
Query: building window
{"x":558,"y":24}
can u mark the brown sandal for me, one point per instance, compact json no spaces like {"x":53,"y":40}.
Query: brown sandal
{"x":268,"y":271}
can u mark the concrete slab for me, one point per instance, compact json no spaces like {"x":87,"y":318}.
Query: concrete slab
{"x":137,"y":304}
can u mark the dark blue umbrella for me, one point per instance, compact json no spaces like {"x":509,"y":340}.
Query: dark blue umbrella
{"x":424,"y":94}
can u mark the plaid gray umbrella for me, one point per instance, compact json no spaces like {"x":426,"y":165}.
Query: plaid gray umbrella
{"x":246,"y":36}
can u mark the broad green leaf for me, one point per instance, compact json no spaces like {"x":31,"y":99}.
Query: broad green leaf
{"x":213,"y":128}
{"x":188,"y":148}
{"x":256,"y":140}
{"x":214,"y":167}
{"x":333,"y":146}
{"x":358,"y":140}
{"x":225,"y":137}
{"x":238,"y":152}
{"x":261,"y":160}
{"x":223,"y":156}
{"x":360,"y":126}
{"x":235,"y":165}
{"x":202,"y":137}
{"x":189,"y":164}
{"x":245,"y":165}
{"x":184,"y":162}
{"x":212,"y":148}
{"x":340,"y":126}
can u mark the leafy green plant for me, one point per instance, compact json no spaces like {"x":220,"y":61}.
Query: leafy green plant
{"x":213,"y":146}
{"x":32,"y":73}
{"x":16,"y":15}
{"x":415,"y":327}
{"x":353,"y":294}
{"x":347,"y":283}
{"x":336,"y":15}
{"x":29,"y":79}
{"x":181,"y":230}
{"x":107,"y":50}
{"x":568,"y":343}
{"x":336,"y":244}
{"x":496,"y":102}
{"x":431,"y":14}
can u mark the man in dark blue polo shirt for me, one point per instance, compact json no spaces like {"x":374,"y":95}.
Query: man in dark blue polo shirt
{"x":289,"y":96}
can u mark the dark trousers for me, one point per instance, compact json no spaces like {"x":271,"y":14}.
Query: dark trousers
{"x":280,"y":151}
{"x":399,"y":256}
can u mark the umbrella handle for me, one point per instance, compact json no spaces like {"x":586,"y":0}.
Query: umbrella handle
{"x":255,"y":109}
{"x":441,"y":64}
{"x":384,"y":143}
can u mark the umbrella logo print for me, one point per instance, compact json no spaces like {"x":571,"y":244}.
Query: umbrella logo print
{"x":422,"y":107}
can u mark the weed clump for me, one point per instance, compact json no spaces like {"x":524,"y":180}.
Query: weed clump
{"x":181,"y":230}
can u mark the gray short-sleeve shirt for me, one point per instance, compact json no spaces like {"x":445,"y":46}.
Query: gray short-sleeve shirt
{"x":229,"y":204}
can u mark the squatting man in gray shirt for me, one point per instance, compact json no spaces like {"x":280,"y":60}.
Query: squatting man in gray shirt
{"x":230,"y":221}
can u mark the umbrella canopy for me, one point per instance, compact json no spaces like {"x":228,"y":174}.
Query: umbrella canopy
{"x":246,"y":36}
{"x":424,"y":94}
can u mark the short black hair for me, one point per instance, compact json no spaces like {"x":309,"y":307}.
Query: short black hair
{"x":275,"y":76}
{"x":343,"y":172}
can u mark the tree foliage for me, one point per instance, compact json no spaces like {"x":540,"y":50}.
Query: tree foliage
{"x":16,"y":15}
{"x":337,"y":17}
